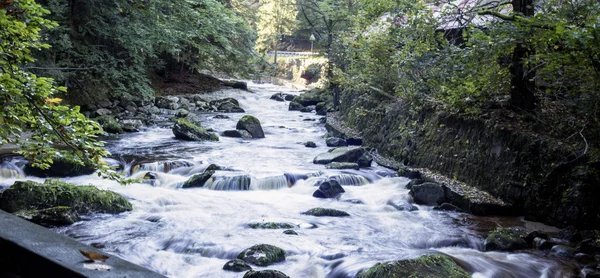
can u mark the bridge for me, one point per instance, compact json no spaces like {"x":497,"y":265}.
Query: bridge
{"x":293,"y":54}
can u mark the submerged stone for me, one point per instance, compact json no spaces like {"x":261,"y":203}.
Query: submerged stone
{"x":236,"y":265}
{"x":326,"y":212}
{"x":503,"y":239}
{"x":29,"y":195}
{"x":269,"y":273}
{"x":428,"y":266}
{"x":262,"y":255}
{"x":290,"y":232}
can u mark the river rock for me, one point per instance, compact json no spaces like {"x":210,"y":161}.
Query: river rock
{"x":310,"y":144}
{"x":109,"y":124}
{"x":56,"y":216}
{"x":104,"y":103}
{"x":288,"y":97}
{"x":252,"y":125}
{"x":199,"y":180}
{"x":102,"y":112}
{"x":278,"y":97}
{"x":131,"y":125}
{"x":150,"y":178}
{"x":313,"y":97}
{"x":503,"y":239}
{"x":221,"y":117}
{"x":185,"y":130}
{"x":29,"y":195}
{"x":447,"y":207}
{"x":402,"y":205}
{"x":563,"y":251}
{"x":269,"y":273}
{"x":60,"y":168}
{"x":236,"y":265}
{"x":294,"y":106}
{"x":227,"y":105}
{"x":590,"y":245}
{"x":237,"y":134}
{"x":290,"y":232}
{"x":271,"y":225}
{"x":570,"y":234}
{"x":428,"y":193}
{"x":182,"y":113}
{"x":321,"y":108}
{"x":326,"y":212}
{"x":591,"y":271}
{"x":335,"y":142}
{"x":343,"y":154}
{"x":262,"y":255}
{"x":240,"y":85}
{"x":166,"y":102}
{"x":308,"y":109}
{"x":342,"y":165}
{"x":542,"y":244}
{"x":414,"y":182}
{"x":365,"y":160}
{"x":427,"y":266}
{"x":329,"y":189}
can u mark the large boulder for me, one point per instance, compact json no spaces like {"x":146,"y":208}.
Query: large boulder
{"x":428,"y":266}
{"x":313,"y":97}
{"x":504,"y":239}
{"x":329,"y":189}
{"x":185,"y":130}
{"x":344,"y":154}
{"x":336,"y":142}
{"x":342,"y":165}
{"x":236,"y":265}
{"x":56,"y":216}
{"x":29,"y":195}
{"x":269,"y":273}
{"x":294,"y":106}
{"x":262,"y":255}
{"x":61,"y":167}
{"x":167,"y":102}
{"x":131,"y":125}
{"x":109,"y":124}
{"x":237,"y":133}
{"x":199,"y":180}
{"x":428,"y":193}
{"x":227,"y":105}
{"x":319,"y":212}
{"x":252,"y":125}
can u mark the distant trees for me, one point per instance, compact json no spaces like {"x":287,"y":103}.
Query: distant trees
{"x":276,"y":18}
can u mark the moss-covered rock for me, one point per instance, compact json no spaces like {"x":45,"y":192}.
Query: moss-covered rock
{"x":314,"y":97}
{"x":56,"y":216}
{"x":504,"y":239}
{"x":343,"y":154}
{"x":185,"y":130}
{"x":236,"y":265}
{"x":269,"y":273}
{"x":271,"y":225}
{"x":342,"y":165}
{"x":29,"y":195}
{"x":109,"y":124}
{"x":262,"y":255}
{"x":294,"y":106}
{"x":61,"y":167}
{"x":290,"y":232}
{"x":198,"y":180}
{"x":252,"y":125}
{"x":227,"y":105}
{"x":326,"y":212}
{"x":428,"y":266}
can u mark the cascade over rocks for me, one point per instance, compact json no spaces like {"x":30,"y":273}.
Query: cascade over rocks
{"x":262,"y":255}
{"x":329,"y":188}
{"x":199,"y":180}
{"x":427,"y":266}
{"x":185,"y":130}
{"x":252,"y":125}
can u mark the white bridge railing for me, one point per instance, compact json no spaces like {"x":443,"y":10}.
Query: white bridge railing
{"x":293,"y":54}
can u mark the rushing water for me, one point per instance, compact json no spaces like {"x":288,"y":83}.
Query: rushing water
{"x":194,"y":232}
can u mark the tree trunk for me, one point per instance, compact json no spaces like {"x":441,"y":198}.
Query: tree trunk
{"x":522,"y":82}
{"x":276,"y":46}
{"x":329,"y":54}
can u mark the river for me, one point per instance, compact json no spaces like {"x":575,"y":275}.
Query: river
{"x":194,"y":232}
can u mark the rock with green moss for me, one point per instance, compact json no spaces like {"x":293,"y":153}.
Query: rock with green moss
{"x":314,"y":97}
{"x":262,"y":255}
{"x":504,"y":239}
{"x":56,"y":216}
{"x":269,"y":273}
{"x":271,"y":225}
{"x":30,"y":195}
{"x":236,"y":265}
{"x":428,"y":266}
{"x":198,"y":180}
{"x":185,"y":130}
{"x":326,"y":212}
{"x":61,"y":167}
{"x":343,"y":154}
{"x":252,"y":125}
{"x":294,"y":106}
{"x":342,"y":165}
{"x":109,"y":124}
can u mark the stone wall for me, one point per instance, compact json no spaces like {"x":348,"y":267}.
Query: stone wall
{"x":543,"y":180}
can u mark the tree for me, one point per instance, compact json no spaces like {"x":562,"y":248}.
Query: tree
{"x":277,"y":18}
{"x":31,"y":115}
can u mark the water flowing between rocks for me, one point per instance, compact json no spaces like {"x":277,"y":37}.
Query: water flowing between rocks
{"x":193,"y":232}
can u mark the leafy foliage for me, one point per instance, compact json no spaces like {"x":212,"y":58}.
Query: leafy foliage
{"x":276,"y":18}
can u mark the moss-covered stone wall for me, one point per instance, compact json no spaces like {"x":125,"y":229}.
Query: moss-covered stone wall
{"x":541,"y":178}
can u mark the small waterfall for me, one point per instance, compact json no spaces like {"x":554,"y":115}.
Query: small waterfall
{"x":271,"y":183}
{"x":350,"y":179}
{"x":228,"y":182}
{"x":160,"y":166}
{"x":12,"y":169}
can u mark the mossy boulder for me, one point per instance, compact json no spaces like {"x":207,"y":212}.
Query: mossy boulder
{"x":342,"y":165}
{"x":252,"y":125}
{"x":227,"y":105}
{"x":61,"y":167}
{"x":185,"y":130}
{"x":269,"y":273}
{"x":326,"y":212}
{"x":109,"y":124}
{"x":262,"y":255}
{"x":504,"y":239}
{"x":343,"y":154}
{"x":271,"y":225}
{"x":428,"y":266}
{"x":199,"y":180}
{"x":294,"y":106}
{"x":314,"y":97}
{"x":236,"y":265}
{"x":56,"y":216}
{"x":30,"y":195}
